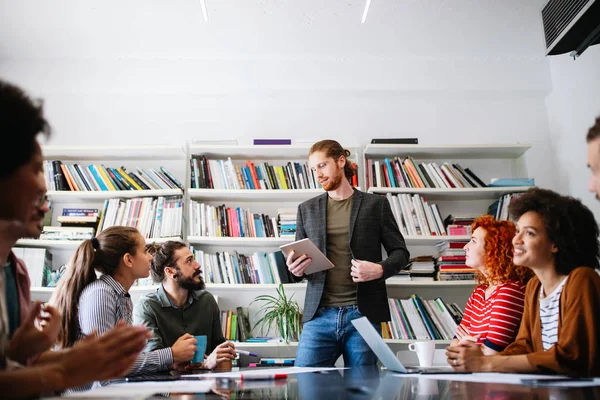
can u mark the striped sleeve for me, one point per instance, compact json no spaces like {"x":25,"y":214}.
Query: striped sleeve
{"x":468,"y":313}
{"x":97,"y":311}
{"x":97,"y":306}
{"x":505,"y":316}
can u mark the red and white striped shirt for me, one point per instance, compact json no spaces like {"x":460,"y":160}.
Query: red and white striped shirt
{"x":496,"y":319}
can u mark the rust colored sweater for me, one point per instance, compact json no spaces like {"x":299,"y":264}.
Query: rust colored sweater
{"x":577,"y":352}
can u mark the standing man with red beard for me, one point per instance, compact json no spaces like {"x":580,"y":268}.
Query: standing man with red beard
{"x":349,"y":227}
{"x":180,"y":308}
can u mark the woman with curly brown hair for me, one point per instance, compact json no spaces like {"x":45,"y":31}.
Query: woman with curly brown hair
{"x":494,"y":310}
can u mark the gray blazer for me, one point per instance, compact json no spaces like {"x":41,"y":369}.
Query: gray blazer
{"x":371,"y":225}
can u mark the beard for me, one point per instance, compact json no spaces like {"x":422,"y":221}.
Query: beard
{"x":334,"y":182}
{"x":190,"y":284}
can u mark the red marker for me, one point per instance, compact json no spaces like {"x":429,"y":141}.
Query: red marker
{"x":261,"y":377}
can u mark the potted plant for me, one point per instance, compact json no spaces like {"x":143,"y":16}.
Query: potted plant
{"x":280,"y":311}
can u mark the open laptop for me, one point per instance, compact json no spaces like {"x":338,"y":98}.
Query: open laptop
{"x":387,"y":356}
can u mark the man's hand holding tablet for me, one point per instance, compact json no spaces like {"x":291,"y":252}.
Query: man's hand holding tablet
{"x":304,"y":258}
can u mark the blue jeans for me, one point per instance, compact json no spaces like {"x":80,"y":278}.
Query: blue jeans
{"x":330,"y":334}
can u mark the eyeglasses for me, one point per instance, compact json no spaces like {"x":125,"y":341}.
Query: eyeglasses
{"x":42,"y":200}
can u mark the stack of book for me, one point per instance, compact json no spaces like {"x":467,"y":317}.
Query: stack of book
{"x":419,"y":319}
{"x":79,"y":217}
{"x":459,"y":225}
{"x":451,"y":263}
{"x":153,"y":217}
{"x":415,"y":216}
{"x":75,"y":177}
{"x":401,"y":276}
{"x":287,"y":222}
{"x":66,"y":233}
{"x":421,"y":268}
{"x":406,"y":173}
{"x":260,"y":267}
{"x":223,"y":221}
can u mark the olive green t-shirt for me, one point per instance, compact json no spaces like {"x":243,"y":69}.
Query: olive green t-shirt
{"x":340,"y":290}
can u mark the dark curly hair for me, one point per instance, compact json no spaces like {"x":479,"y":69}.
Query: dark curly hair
{"x":21,"y":121}
{"x":333,"y":149}
{"x":163,"y":255}
{"x":499,"y":253}
{"x":594,"y":131}
{"x":570,"y":225}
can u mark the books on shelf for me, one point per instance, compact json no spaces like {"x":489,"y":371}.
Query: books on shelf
{"x":395,"y":141}
{"x":224,"y":174}
{"x":66,"y":233}
{"x":76,"y":177}
{"x":261,"y":142}
{"x":287,"y":222}
{"x":235,"y":268}
{"x":418,"y":319}
{"x":415,"y":216}
{"x":512,"y":182}
{"x":223,"y":221}
{"x":499,"y":208}
{"x":407,"y":173}
{"x":154,"y":217}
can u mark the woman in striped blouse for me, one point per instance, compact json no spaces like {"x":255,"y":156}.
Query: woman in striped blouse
{"x":557,"y":238}
{"x":89,"y":304}
{"x":493,"y":312}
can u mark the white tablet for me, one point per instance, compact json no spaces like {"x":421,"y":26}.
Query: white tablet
{"x":305,"y":246}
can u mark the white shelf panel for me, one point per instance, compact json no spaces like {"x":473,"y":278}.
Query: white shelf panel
{"x":246,"y":195}
{"x":455,"y":193}
{"x":66,"y":195}
{"x":150,"y":152}
{"x":49,"y":244}
{"x":263,"y":152}
{"x":419,"y":151}
{"x":429,"y":240}
{"x":73,"y":244}
{"x":253,"y":286}
{"x":38,"y":289}
{"x":239,"y":241}
{"x":394,"y":283}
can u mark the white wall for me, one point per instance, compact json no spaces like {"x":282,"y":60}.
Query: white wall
{"x":155,"y":72}
{"x":573,"y":106}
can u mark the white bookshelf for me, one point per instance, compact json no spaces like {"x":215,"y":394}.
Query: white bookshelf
{"x":81,"y":196}
{"x":239,"y":241}
{"x":454,"y":193}
{"x":253,"y":195}
{"x":73,"y":244}
{"x":116,"y":153}
{"x":434,"y":152}
{"x":426,"y":283}
{"x":431,"y":240}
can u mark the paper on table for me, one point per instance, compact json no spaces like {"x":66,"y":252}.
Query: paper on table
{"x":495,"y":377}
{"x":142,"y":390}
{"x":262,"y":371}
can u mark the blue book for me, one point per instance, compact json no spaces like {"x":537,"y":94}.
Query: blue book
{"x":512,"y":182}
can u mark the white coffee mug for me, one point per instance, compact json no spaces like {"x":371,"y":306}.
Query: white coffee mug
{"x":425,"y":352}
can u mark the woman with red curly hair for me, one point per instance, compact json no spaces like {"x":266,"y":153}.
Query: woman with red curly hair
{"x":494,"y":310}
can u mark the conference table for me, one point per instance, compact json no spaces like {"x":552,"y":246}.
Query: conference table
{"x":375,"y":383}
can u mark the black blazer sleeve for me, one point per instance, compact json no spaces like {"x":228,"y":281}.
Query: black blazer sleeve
{"x":393,"y":243}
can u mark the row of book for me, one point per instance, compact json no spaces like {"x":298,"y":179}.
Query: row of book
{"x":499,"y":209}
{"x":407,"y":173}
{"x":153,"y":217}
{"x":75,"y":177}
{"x":223,"y":221}
{"x":260,"y":267}
{"x":418,"y":319}
{"x":415,"y":216}
{"x":236,"y":325}
{"x":224,"y":174}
